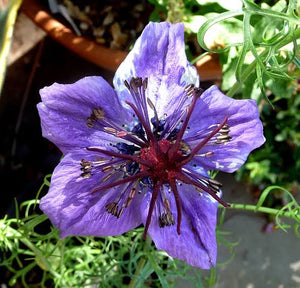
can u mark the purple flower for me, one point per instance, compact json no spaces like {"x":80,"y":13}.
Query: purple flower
{"x":140,"y":153}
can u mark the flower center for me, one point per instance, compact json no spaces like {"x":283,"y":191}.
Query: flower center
{"x":156,"y":159}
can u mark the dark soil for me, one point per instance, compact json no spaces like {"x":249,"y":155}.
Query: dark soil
{"x":113,"y":23}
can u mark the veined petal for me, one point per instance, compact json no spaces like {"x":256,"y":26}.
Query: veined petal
{"x":197,"y":242}
{"x":74,"y":210}
{"x":159,"y":55}
{"x":65,"y":108}
{"x":245,"y":130}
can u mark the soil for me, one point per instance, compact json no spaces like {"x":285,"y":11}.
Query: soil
{"x":113,"y":23}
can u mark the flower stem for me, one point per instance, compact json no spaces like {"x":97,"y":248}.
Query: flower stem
{"x":141,"y":264}
{"x":260,"y":209}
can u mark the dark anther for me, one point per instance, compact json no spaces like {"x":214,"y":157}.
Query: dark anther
{"x":112,"y":208}
{"x":96,"y":114}
{"x":136,"y":83}
{"x":189,"y":89}
{"x":223,"y":138}
{"x":127,"y":84}
{"x":166,"y":219}
{"x":145,"y":84}
{"x":130,"y":197}
{"x":86,"y":168}
{"x":198,"y":91}
{"x":120,"y":212}
{"x":214,"y":185}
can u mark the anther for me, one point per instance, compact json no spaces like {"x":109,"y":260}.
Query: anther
{"x":104,"y":179}
{"x":120,"y":212}
{"x":110,"y":130}
{"x":198,"y":91}
{"x":166,"y":219}
{"x":98,"y":113}
{"x":224,"y":137}
{"x":215,"y":182}
{"x":207,"y":154}
{"x":136,"y":83}
{"x":127,"y":84}
{"x":130,"y":197}
{"x":145,"y":84}
{"x":107,"y":169}
{"x":112,"y":208}
{"x":86,"y":175}
{"x":86,"y":167}
{"x":189,"y":89}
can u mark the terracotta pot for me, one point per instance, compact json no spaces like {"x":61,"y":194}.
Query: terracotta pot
{"x":208,"y":67}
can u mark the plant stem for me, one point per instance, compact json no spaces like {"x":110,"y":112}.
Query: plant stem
{"x":236,"y":86}
{"x":141,"y":263}
{"x":261,"y":209}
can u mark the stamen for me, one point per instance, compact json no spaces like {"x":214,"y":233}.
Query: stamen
{"x":145,"y":84}
{"x":107,"y":168}
{"x":127,"y":84}
{"x":110,"y":130}
{"x":130,"y":197}
{"x":189,"y":89}
{"x":119,"y":155}
{"x":122,"y":181}
{"x":120,"y":212}
{"x":166,"y":219}
{"x":136,"y":83}
{"x":106,"y":177}
{"x":112,"y":208}
{"x":143,"y":122}
{"x":86,"y":167}
{"x":97,"y":114}
{"x":207,"y":154}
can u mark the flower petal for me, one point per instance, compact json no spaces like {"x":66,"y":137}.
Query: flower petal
{"x":65,"y":109}
{"x":159,"y":55}
{"x":246,"y":130}
{"x":74,"y":210}
{"x":197,"y":242}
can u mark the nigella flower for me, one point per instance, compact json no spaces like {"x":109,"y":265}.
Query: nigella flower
{"x":139,"y":153}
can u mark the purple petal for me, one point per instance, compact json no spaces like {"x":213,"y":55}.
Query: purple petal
{"x":245,"y":127}
{"x":65,"y":108}
{"x":197,"y":242}
{"x":74,"y":210}
{"x":159,"y":55}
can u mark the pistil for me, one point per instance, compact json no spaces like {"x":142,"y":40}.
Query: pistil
{"x":189,"y":157}
{"x":196,"y":93}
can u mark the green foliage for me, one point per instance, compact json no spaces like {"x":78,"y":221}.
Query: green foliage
{"x":31,"y":247}
{"x":267,"y":49}
{"x":264,"y":65}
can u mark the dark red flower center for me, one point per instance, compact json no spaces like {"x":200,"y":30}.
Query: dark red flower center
{"x":158,"y":162}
